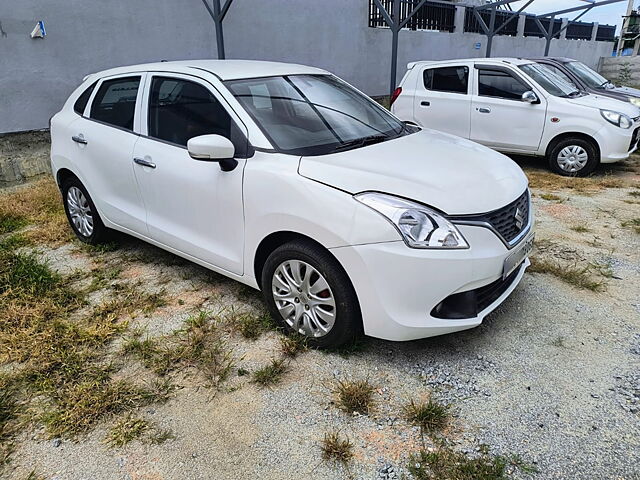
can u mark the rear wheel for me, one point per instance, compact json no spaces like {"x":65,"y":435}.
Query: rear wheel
{"x":309,"y":294}
{"x":573,"y":157}
{"x":82,"y":213}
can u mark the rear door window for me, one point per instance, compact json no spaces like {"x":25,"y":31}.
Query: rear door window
{"x":115,"y":102}
{"x":83,"y":99}
{"x":447,"y":79}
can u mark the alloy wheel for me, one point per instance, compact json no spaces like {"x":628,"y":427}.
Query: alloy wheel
{"x":80,"y":211}
{"x":303,"y":298}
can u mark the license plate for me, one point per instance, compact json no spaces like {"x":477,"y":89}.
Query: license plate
{"x":514,"y":260}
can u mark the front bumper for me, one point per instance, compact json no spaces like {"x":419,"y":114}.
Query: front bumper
{"x":616,"y":143}
{"x":399,"y":287}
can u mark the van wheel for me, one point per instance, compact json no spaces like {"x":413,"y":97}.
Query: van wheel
{"x":573,"y":157}
{"x":82,"y":214}
{"x":308,"y":293}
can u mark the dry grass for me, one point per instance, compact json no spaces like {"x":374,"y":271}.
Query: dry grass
{"x":336,"y":449}
{"x":580,"y":277}
{"x":545,"y":180}
{"x":430,"y":416}
{"x":634,"y":224}
{"x":580,"y":229}
{"x":126,"y":430}
{"x":354,"y":396}
{"x":250,"y":325}
{"x":270,"y":374}
{"x":292,"y":345}
{"x":550,"y":197}
{"x":39,"y":205}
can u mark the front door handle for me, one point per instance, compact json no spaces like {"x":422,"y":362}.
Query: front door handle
{"x":484,"y":110}
{"x":425,"y":103}
{"x":144,"y":163}
{"x":79,"y":139}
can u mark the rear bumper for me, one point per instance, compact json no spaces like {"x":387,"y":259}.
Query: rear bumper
{"x":404,"y":292}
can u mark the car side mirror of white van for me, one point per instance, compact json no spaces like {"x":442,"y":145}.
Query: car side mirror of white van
{"x":530,"y":97}
{"x":213,"y":148}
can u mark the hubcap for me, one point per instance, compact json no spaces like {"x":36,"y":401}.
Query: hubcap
{"x":572,"y":158}
{"x":304,"y":298}
{"x":80,"y":211}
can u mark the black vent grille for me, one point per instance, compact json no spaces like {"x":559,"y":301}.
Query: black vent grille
{"x":634,"y":138}
{"x":508,"y":221}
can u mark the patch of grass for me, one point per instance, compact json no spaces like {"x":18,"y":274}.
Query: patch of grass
{"x":250,"y":325}
{"x":550,"y":197}
{"x":430,"y":416}
{"x":128,"y":299}
{"x":10,"y":222}
{"x":126,"y":430}
{"x":540,"y":179}
{"x":634,"y":224}
{"x":101,"y":247}
{"x":354,"y":396}
{"x":635,"y":193}
{"x":579,"y":277}
{"x":159,"y":436}
{"x":86,"y":402}
{"x":270,"y":374}
{"x":580,"y":229}
{"x":40,"y":205}
{"x":199,"y":345}
{"x":336,"y":449}
{"x":445,"y":463}
{"x":292,"y":345}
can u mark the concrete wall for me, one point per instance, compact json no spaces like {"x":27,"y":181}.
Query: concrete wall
{"x":87,"y":36}
{"x":610,"y":68}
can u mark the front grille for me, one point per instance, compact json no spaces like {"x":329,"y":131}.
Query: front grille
{"x":634,"y":138}
{"x":508,"y":221}
{"x":470,"y":303}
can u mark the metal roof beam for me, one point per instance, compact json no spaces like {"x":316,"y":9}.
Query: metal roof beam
{"x":582,"y":7}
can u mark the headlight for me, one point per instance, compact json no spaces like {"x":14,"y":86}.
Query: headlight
{"x":419,"y":226}
{"x":635,"y":101}
{"x":618,"y":119}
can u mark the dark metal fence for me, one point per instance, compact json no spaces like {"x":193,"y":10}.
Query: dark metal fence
{"x":579,"y":31}
{"x":606,"y":33}
{"x":531,"y":28}
{"x":471,"y":23}
{"x":431,"y":16}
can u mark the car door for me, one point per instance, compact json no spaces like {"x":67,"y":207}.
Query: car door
{"x":104,"y":141}
{"x":192,"y":205}
{"x":442,"y":99}
{"x":499,"y":116}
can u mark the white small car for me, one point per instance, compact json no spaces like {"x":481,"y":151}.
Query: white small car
{"x":520,"y":107}
{"x":289,"y":180}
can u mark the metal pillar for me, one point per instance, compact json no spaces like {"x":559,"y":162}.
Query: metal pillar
{"x":395,"y":31}
{"x":217,"y":14}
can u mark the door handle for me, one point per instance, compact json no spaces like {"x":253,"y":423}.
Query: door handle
{"x":425,"y":103}
{"x":144,"y":163}
{"x":79,"y":139}
{"x":484,"y":110}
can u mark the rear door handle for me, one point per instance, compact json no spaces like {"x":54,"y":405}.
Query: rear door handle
{"x":79,"y":139}
{"x":425,"y":103}
{"x":484,"y":110}
{"x":144,"y":163}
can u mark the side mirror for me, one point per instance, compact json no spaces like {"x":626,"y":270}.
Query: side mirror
{"x":530,"y":97}
{"x":213,"y":148}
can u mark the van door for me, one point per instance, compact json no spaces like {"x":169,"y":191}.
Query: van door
{"x":499,"y":117}
{"x":442,"y":99}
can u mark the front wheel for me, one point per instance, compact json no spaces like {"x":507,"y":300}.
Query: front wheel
{"x":573,"y":157}
{"x":308,"y":293}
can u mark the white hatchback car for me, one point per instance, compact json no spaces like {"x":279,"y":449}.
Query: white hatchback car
{"x":289,"y":180}
{"x":519,"y":106}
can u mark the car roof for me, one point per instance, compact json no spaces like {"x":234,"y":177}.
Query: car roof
{"x":485,"y":61}
{"x":223,"y":69}
{"x":553,"y":59}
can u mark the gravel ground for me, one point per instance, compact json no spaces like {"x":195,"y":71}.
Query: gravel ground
{"x":552,"y":376}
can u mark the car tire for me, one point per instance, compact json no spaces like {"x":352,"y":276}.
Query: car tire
{"x":573,"y":157}
{"x":82,"y":213}
{"x":308,"y":293}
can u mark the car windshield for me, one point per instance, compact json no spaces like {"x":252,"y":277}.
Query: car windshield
{"x":549,"y":80}
{"x":590,"y":77}
{"x":314,"y":114}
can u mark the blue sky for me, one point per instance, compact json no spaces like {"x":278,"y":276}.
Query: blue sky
{"x":607,"y":14}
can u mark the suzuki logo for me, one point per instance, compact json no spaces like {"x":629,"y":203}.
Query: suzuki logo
{"x":519,"y":218}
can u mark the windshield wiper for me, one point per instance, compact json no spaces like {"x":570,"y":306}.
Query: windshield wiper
{"x":360,"y":142}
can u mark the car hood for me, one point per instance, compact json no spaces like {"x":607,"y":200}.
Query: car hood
{"x":628,"y":91}
{"x":449,"y":173}
{"x":606,"y":103}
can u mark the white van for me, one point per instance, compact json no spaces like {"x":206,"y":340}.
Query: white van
{"x":518,"y":106}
